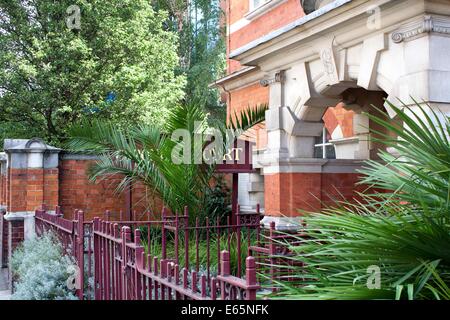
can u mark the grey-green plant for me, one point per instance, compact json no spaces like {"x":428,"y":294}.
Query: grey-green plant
{"x":41,"y":270}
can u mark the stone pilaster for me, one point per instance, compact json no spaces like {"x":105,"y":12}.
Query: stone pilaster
{"x":32,"y":181}
{"x":291,"y":174}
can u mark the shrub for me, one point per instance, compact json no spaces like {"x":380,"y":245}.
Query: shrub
{"x":41,"y":270}
{"x":217,"y":202}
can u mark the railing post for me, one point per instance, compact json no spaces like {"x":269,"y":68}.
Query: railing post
{"x":272,"y":252}
{"x":258,"y":226}
{"x":238,"y":239}
{"x":224,"y":270}
{"x":163,"y":234}
{"x":97,"y":262}
{"x":186,"y":238}
{"x":176,"y":237}
{"x":138,"y":258}
{"x":125,"y":238}
{"x":250,"y":277}
{"x":80,"y":253}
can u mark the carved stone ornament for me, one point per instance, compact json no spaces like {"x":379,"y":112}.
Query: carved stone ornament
{"x":427,"y":24}
{"x":279,"y":77}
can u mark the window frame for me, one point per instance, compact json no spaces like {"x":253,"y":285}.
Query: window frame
{"x":252,"y":4}
{"x":266,"y":6}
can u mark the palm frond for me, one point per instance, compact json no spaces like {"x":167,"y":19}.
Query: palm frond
{"x":404,"y":230}
{"x":247,"y":118}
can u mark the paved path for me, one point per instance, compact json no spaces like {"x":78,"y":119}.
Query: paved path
{"x":4,"y":292}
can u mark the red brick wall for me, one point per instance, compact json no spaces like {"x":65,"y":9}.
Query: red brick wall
{"x":250,"y":96}
{"x":339,"y":187}
{"x":16,"y":228}
{"x":287,"y":194}
{"x":30,"y":188}
{"x":7,"y":181}
{"x":276,"y":18}
{"x":3,"y":190}
{"x":17,"y":188}
{"x":77,"y":192}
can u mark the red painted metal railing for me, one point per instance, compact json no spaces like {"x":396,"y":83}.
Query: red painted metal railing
{"x":119,"y":267}
{"x":71,"y":233}
{"x":124,"y":272}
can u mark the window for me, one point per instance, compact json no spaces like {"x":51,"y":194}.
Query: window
{"x":323,"y":149}
{"x":256,"y":3}
{"x":260,"y":7}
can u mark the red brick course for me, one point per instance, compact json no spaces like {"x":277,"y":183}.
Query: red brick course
{"x":77,"y":192}
{"x":276,"y":18}
{"x":293,"y":194}
{"x":16,"y":228}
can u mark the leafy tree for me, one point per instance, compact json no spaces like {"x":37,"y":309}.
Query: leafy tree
{"x":201,"y":48}
{"x":118,"y":63}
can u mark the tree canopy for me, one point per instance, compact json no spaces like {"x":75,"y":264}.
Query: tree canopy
{"x":199,"y":24}
{"x":116,"y":60}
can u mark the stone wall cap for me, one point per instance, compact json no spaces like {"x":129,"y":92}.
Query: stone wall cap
{"x":66,"y":155}
{"x":28,"y":145}
{"x":18,"y":216}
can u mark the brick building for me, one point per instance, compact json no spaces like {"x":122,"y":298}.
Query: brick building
{"x":320,"y":65}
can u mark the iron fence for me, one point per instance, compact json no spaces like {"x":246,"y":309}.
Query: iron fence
{"x":159,"y":259}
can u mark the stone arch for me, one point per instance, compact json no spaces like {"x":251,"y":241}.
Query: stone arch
{"x":35,"y":143}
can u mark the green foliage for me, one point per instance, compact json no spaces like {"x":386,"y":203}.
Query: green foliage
{"x":41,"y":270}
{"x":119,"y":65}
{"x":217,"y":202}
{"x":248,"y":118}
{"x":201,"y":48}
{"x":217,"y":244}
{"x":404,"y":231}
{"x":145,"y":154}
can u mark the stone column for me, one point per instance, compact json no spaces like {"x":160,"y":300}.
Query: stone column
{"x":32,"y":182}
{"x":291,"y":174}
{"x":424,"y":45}
{"x":256,"y":190}
{"x":3,"y":224}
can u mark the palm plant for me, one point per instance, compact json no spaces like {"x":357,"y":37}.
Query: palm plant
{"x":146,"y":154}
{"x":403,"y":231}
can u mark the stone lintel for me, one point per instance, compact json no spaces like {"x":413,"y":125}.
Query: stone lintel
{"x":307,"y":165}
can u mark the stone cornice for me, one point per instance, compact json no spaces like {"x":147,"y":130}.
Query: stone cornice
{"x":239,"y":80}
{"x":298,"y":40}
{"x":427,"y":24}
{"x":310,"y":18}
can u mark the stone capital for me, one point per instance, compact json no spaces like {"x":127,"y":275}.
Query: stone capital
{"x":424,"y":25}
